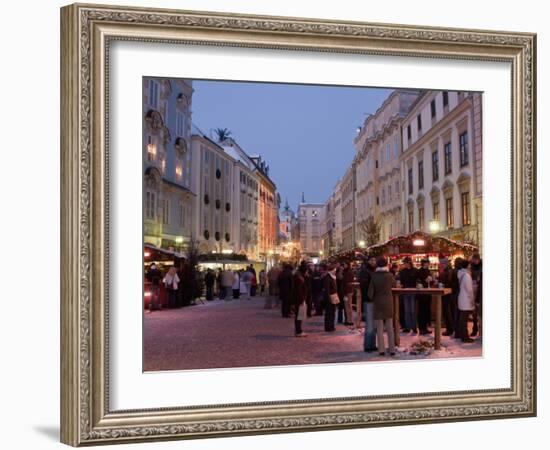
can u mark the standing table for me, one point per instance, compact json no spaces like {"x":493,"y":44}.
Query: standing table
{"x":436,"y":294}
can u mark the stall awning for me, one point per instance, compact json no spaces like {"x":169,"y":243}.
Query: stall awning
{"x":419,"y":243}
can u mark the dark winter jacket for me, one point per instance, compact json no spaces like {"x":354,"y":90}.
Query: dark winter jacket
{"x":364,"y":280}
{"x":380,"y":291}
{"x":285,"y":284}
{"x":348,"y":280}
{"x":408,"y":277}
{"x":299,"y":289}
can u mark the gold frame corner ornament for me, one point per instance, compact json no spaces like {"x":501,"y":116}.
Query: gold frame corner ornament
{"x":86,"y":33}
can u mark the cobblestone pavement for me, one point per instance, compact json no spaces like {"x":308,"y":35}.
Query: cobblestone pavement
{"x":241,"y":333}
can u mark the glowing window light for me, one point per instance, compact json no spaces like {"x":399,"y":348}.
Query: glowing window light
{"x":151,"y":151}
{"x":179,"y":171}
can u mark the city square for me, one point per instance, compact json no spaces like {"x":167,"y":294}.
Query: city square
{"x":371,"y":252}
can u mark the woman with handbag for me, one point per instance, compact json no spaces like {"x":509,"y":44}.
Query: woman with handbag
{"x":331,"y":291}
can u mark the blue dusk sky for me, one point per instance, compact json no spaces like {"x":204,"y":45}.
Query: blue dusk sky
{"x":305,"y":133}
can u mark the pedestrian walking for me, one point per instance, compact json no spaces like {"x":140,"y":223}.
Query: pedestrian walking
{"x":424,"y":302}
{"x":332,"y":299}
{"x":407,"y":278}
{"x":349,"y":289}
{"x":299,"y":299}
{"x":285,"y":289}
{"x":209,"y":280}
{"x":246,"y":283}
{"x":236,"y":286}
{"x":317,"y":290}
{"x":226,"y":283}
{"x":476,"y":271}
{"x":263,"y":281}
{"x":340,"y":288}
{"x":380,"y":288}
{"x":171,"y":281}
{"x":154,"y":277}
{"x":219,"y":283}
{"x":365,"y":274}
{"x":446,"y":275}
{"x":455,"y":288}
{"x":273,"y":284}
{"x":253,"y":285}
{"x":466,"y":303}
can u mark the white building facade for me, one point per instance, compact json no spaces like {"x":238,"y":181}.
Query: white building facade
{"x":214,"y":217}
{"x":378,"y":174}
{"x":441,"y":165}
{"x":246,"y":190}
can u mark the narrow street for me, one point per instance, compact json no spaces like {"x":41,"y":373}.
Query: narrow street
{"x":241,"y":333}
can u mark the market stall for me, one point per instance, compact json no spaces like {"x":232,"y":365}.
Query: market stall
{"x":419,"y":245}
{"x":230,"y":261}
{"x":355,"y":254}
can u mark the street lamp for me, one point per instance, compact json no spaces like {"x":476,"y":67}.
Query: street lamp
{"x":434,"y":226}
{"x":362,"y":244}
{"x":179,"y":241}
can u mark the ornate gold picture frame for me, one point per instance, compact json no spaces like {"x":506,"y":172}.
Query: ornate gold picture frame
{"x":87,"y":32}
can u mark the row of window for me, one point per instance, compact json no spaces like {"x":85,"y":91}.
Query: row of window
{"x":164,"y":206}
{"x":153,"y":156}
{"x":433,"y":114}
{"x":390,"y":192}
{"x":449,"y":213}
{"x":249,"y":181}
{"x":182,"y":120}
{"x":448,"y":162}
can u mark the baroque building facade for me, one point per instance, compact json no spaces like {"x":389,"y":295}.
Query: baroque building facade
{"x":268,"y":203}
{"x":441,"y":165}
{"x":378,"y":171}
{"x":167,"y":195}
{"x":417,"y":166}
{"x":198,"y":189}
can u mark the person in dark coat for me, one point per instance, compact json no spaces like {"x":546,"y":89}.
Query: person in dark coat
{"x":407,"y":278}
{"x":365,"y":274}
{"x":424,"y":301}
{"x":380,"y":287}
{"x":476,"y":270}
{"x":446,"y":275}
{"x":340,"y":289}
{"x":299,"y":299}
{"x":285,"y":289}
{"x":317,"y":290}
{"x":331,"y":290}
{"x":307,"y":274}
{"x":209,"y":280}
{"x":348,"y":279}
{"x":154,"y":277}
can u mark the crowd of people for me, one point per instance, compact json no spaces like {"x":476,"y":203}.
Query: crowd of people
{"x":330,"y":289}
{"x":183,"y":285}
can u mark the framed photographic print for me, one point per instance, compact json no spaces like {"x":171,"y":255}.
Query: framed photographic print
{"x":284,"y":224}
